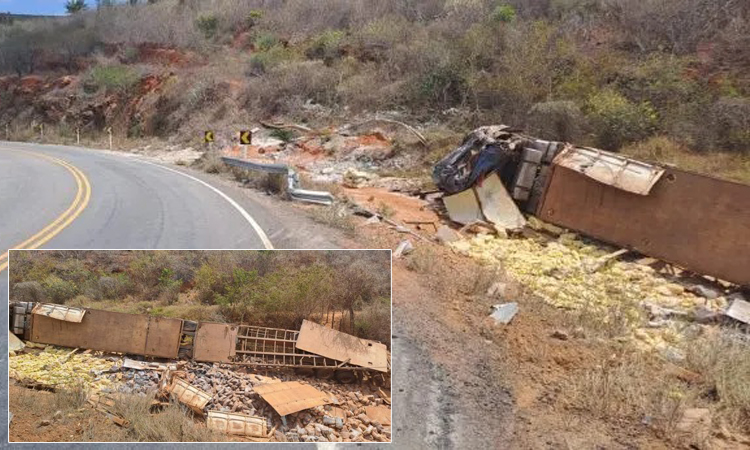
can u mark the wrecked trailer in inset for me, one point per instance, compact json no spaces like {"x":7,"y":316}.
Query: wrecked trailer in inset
{"x":313,"y":347}
{"x":694,"y":221}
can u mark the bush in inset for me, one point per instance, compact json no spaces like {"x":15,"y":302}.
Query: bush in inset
{"x":374,"y":321}
{"x":57,"y":290}
{"x":27,"y":291}
{"x":114,"y":287}
{"x":169,"y":286}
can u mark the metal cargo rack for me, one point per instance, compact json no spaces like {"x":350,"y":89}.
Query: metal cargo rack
{"x":276,"y":347}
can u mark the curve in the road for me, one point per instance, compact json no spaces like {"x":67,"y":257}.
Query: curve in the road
{"x":83,"y":194}
{"x":261,"y":234}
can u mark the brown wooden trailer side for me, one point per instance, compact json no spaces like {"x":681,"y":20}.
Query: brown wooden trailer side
{"x":111,"y":332}
{"x":694,"y":221}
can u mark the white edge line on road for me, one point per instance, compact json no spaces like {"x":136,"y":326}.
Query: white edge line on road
{"x":262,"y":234}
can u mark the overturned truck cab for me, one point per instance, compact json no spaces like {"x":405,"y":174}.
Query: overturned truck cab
{"x":698,"y":222}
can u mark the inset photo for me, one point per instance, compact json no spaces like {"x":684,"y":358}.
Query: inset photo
{"x":200,"y":346}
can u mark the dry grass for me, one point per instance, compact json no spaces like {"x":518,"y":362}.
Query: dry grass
{"x":211,"y":162}
{"x":174,"y":423}
{"x":642,"y":388}
{"x":730,"y":165}
{"x":71,"y":398}
{"x":334,"y":216}
{"x":628,"y":385}
{"x":423,"y":260}
{"x":724,"y":361}
{"x":272,"y":183}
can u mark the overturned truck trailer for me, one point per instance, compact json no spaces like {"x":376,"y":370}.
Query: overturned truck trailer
{"x":695,"y":221}
{"x":312,"y":347}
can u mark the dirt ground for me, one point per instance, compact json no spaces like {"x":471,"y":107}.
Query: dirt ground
{"x":492,"y":384}
{"x":31,"y":408}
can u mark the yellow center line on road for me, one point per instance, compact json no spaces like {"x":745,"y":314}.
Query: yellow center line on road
{"x":83,"y":194}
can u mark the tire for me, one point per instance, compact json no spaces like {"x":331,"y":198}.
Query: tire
{"x":346,"y":376}
{"x":324,"y":374}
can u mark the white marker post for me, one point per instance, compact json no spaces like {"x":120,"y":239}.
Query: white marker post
{"x":109,"y":131}
{"x":78,"y":136}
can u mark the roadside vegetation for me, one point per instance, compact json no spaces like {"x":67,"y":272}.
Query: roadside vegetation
{"x":614,"y":74}
{"x":347,"y":289}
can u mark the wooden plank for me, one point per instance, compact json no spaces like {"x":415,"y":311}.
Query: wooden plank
{"x":111,"y":332}
{"x":290,"y":397}
{"x":342,"y":347}
{"x":380,"y":414}
{"x":214,"y":342}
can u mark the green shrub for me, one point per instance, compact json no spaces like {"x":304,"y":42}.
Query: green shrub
{"x":283,"y":134}
{"x":252,"y":18}
{"x":265,"y":42}
{"x":113,"y":78}
{"x":504,"y":13}
{"x":208,"y":25}
{"x":263,"y":61}
{"x":208,"y":283}
{"x":618,"y":121}
{"x":326,"y":46}
{"x":57,"y":290}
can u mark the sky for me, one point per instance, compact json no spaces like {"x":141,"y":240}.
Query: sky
{"x":45,"y":7}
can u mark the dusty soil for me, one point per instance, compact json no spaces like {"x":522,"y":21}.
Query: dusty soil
{"x":462,"y":382}
{"x":31,"y":407}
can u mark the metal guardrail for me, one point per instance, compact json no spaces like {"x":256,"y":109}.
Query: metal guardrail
{"x":303,"y":195}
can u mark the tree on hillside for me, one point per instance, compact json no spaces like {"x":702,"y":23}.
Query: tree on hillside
{"x":75,"y":6}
